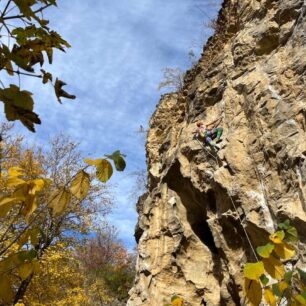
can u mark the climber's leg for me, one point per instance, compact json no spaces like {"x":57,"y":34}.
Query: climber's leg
{"x":219,"y":132}
{"x":209,"y":140}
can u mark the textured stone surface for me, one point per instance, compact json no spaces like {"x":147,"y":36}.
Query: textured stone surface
{"x":190,"y":239}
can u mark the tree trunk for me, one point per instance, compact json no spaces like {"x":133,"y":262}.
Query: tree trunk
{"x":22,"y":288}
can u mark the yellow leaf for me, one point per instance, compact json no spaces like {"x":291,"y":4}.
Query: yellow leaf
{"x":29,"y":207}
{"x":15,"y":171}
{"x":299,"y":300}
{"x":23,"y":239}
{"x":269,"y":297}
{"x":36,"y":266}
{"x":6,"y":291}
{"x":36,"y":185}
{"x":274,"y":267}
{"x":25,"y":270}
{"x":34,"y":235}
{"x":21,"y":192}
{"x":60,"y":200}
{"x":253,"y":291}
{"x":253,"y":270}
{"x":177,"y":302}
{"x":104,"y":170}
{"x":284,"y":250}
{"x":282,"y":286}
{"x":93,"y":162}
{"x":277,"y":237}
{"x":8,"y":200}
{"x":15,"y":181}
{"x":6,"y":204}
{"x":80,"y":185}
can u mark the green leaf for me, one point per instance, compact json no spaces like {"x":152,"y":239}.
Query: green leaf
{"x":276,"y":290}
{"x":47,"y":76}
{"x":253,"y":270}
{"x":288,"y":276}
{"x":104,"y":170}
{"x":266,"y":250}
{"x":80,"y":185}
{"x":59,"y":92}
{"x":118,"y":159}
{"x":291,"y":234}
{"x":27,"y":255}
{"x":264,"y":279}
{"x":18,"y":105}
{"x":25,"y":7}
{"x":284,"y":225}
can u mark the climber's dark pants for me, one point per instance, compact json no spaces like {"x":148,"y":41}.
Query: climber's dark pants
{"x":214,"y":134}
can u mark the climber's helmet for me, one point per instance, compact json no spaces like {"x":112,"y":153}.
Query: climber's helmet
{"x":201,"y":125}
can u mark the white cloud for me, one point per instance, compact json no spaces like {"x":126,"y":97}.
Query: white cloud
{"x":114,"y":67}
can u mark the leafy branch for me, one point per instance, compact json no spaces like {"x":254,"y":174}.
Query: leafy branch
{"x":19,"y":254}
{"x":32,"y":42}
{"x":269,"y":278}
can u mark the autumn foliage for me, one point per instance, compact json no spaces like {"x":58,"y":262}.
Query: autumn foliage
{"x":48,"y":199}
{"x":273,"y":279}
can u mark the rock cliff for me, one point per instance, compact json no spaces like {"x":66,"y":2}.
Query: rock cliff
{"x":192,"y":222}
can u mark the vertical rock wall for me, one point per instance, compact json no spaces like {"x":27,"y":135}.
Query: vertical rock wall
{"x":190,"y":238}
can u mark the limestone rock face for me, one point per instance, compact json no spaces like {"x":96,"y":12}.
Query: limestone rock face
{"x":193,"y":222}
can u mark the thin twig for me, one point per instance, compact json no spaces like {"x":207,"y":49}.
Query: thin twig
{"x":38,"y":214}
{"x":5,"y":9}
{"x":23,"y":16}
{"x":11,"y":9}
{"x":23,"y":73}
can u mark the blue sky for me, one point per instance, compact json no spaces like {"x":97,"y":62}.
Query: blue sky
{"x":119,"y":48}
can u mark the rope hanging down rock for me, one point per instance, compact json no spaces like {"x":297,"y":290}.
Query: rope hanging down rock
{"x":233,"y":204}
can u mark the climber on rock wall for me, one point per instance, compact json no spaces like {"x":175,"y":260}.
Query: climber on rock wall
{"x":210,"y":133}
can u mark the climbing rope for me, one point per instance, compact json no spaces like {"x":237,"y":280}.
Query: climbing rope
{"x":233,"y":203}
{"x":241,"y":222}
{"x":214,"y":157}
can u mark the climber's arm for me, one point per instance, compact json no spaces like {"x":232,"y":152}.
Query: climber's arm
{"x":215,"y":123}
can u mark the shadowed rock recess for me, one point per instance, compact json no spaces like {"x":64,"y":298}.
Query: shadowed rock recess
{"x":190,"y":239}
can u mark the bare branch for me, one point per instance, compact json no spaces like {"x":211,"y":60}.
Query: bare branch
{"x":5,"y":9}
{"x":23,"y":16}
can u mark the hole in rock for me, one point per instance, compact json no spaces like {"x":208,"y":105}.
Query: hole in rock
{"x":202,"y":230}
{"x":211,"y":200}
{"x":196,"y":204}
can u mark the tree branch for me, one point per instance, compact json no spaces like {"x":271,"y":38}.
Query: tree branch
{"x":23,"y":73}
{"x":5,"y":9}
{"x":23,"y":16}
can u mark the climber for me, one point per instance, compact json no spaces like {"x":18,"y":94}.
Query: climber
{"x":210,"y":132}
